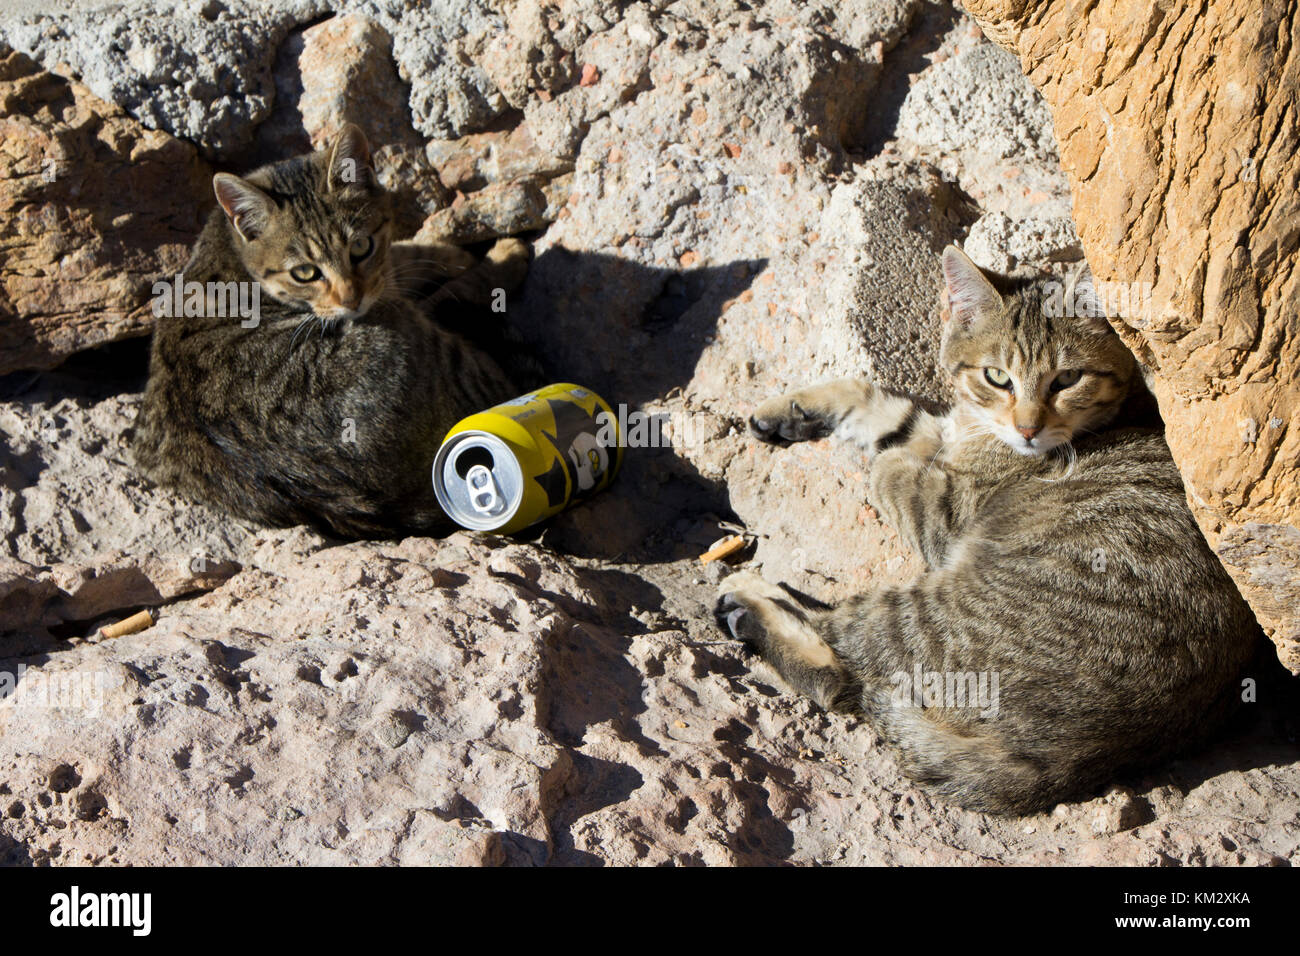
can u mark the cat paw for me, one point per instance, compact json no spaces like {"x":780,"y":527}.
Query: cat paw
{"x":738,"y":596}
{"x":769,"y":619}
{"x":509,"y":258}
{"x":727,"y":614}
{"x":508,"y":249}
{"x":783,"y":421}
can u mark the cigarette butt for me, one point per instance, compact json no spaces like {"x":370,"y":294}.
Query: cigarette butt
{"x":132,"y":624}
{"x":724,"y":548}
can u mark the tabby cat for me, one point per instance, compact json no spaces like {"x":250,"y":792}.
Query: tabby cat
{"x":328,"y":407}
{"x":1064,"y":569}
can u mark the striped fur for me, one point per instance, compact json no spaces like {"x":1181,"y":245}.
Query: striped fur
{"x":329,"y":410}
{"x":1072,"y":570}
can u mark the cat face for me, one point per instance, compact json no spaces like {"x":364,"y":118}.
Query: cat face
{"x":1032,"y":379}
{"x":314,"y":233}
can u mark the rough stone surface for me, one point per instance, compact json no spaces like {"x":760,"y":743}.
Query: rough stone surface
{"x":481,"y":159}
{"x":1014,"y":246}
{"x":342,"y":71}
{"x":198,"y":72}
{"x":476,"y":701}
{"x":204,"y":72}
{"x":80,"y":592}
{"x":498,"y":209}
{"x":731,"y":199}
{"x":93,"y":209}
{"x":976,"y":116}
{"x":1176,"y":130}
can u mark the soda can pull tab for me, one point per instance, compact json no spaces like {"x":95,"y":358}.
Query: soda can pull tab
{"x":484,"y":496}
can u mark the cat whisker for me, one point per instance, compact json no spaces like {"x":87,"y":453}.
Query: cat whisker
{"x":963,"y":434}
{"x":1087,"y":431}
{"x":958,"y":438}
{"x":298,"y":331}
{"x":446,"y":292}
{"x":1070,"y":454}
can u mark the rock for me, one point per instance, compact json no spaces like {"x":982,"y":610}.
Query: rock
{"x":1117,"y":811}
{"x":451,"y":95}
{"x":342,"y":71}
{"x":24,"y":596}
{"x":348,"y":76}
{"x":535,"y":52}
{"x":734,"y":199}
{"x":1018,"y":246}
{"x":1182,"y":167}
{"x":1267,"y":558}
{"x":394,"y":728}
{"x":482,"y":159}
{"x":485,"y":676}
{"x":205,"y":74}
{"x":500,"y":209}
{"x":76,"y":443}
{"x":975,"y":115}
{"x":95,"y":207}
{"x":32,"y":597}
{"x":200,"y":73}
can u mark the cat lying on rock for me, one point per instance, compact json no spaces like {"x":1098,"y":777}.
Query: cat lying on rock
{"x":1064,"y":569}
{"x":329,"y":406}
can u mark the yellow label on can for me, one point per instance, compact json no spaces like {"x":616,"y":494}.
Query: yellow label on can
{"x":566,"y":441}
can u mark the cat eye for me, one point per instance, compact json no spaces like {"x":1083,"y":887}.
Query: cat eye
{"x":305,"y":273}
{"x":361,"y":248}
{"x":1066,"y":379}
{"x":997,"y":378}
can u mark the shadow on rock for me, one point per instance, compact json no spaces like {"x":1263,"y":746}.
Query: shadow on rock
{"x":588,"y":679}
{"x":635,"y":335}
{"x":631,"y":332}
{"x":1262,"y":733}
{"x":593,"y":785}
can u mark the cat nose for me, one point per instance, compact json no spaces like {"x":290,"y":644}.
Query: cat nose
{"x":345,"y":295}
{"x":1029,"y":433}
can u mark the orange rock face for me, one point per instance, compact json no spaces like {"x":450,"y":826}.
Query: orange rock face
{"x":95,"y":208}
{"x":1177,"y":129}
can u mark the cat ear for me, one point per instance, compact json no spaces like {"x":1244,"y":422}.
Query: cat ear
{"x":246,"y":206}
{"x":969,"y":291}
{"x":349,"y":158}
{"x":1081,"y":295}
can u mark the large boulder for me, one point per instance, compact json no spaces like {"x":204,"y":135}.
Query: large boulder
{"x":1176,"y":128}
{"x":95,"y":207}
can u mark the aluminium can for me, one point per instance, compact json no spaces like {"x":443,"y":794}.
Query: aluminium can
{"x":527,"y":459}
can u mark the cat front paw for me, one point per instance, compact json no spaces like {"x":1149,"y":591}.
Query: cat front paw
{"x":738,"y":596}
{"x":783,"y":421}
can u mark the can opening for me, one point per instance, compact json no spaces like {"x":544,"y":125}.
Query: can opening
{"x":478,"y":480}
{"x":471,"y":457}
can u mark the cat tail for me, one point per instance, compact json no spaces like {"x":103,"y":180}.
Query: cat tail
{"x":970,"y":768}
